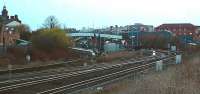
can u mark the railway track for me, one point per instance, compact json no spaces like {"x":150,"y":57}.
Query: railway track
{"x":76,"y":78}
{"x":38,"y":68}
{"x":21,"y":73}
{"x":97,"y":80}
{"x":26,"y":75}
{"x":64,"y":73}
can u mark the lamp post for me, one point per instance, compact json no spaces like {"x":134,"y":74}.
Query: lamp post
{"x":10,"y":71}
{"x":185,"y":39}
{"x":7,"y":36}
{"x":4,"y":30}
{"x":137,"y":40}
{"x":99,"y":41}
{"x":132,"y":37}
{"x":11,"y":30}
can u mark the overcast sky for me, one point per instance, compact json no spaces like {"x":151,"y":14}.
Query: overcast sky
{"x":101,"y":13}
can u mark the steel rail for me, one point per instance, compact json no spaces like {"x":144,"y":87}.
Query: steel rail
{"x":64,"y":74}
{"x":93,"y":80}
{"x":59,"y":76}
{"x":81,"y":83}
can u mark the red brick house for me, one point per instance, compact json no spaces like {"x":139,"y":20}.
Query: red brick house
{"x":197,"y":37}
{"x":179,"y":29}
{"x":8,"y":34}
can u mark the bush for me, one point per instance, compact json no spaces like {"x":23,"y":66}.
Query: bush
{"x":25,"y":32}
{"x":25,"y":36}
{"x":16,"y":55}
{"x":49,"y":40}
{"x":50,"y":44}
{"x":156,"y":42}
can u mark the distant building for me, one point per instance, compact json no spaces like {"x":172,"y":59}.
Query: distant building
{"x":71,"y":30}
{"x":7,"y":19}
{"x":128,"y":28}
{"x":8,"y":35}
{"x":140,"y":27}
{"x":179,"y":29}
{"x":197,"y":37}
{"x":84,"y":29}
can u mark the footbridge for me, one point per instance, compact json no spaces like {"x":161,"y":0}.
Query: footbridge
{"x":109,"y":36}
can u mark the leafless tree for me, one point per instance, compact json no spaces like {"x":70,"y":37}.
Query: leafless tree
{"x":51,"y":22}
{"x":24,"y":30}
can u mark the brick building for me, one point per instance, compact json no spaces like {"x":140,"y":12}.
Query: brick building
{"x":179,"y":29}
{"x":8,"y":34}
{"x":197,"y":37}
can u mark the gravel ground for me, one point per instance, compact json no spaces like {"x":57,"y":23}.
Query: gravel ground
{"x":114,"y":58}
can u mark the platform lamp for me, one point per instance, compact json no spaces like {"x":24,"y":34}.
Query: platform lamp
{"x":4,"y":30}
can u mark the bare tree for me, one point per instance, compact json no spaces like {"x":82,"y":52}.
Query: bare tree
{"x":24,"y":30}
{"x":51,"y":22}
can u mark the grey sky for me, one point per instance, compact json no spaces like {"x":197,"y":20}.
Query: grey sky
{"x":101,"y":13}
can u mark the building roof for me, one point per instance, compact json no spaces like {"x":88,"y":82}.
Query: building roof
{"x":13,"y":24}
{"x":198,"y":26}
{"x":188,"y":25}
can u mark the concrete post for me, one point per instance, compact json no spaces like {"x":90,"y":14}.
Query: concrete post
{"x":178,"y":58}
{"x":173,"y":48}
{"x":28,"y":58}
{"x":10,"y":71}
{"x":159,"y":65}
{"x":85,"y":64}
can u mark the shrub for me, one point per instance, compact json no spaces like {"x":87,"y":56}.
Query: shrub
{"x":16,"y":55}
{"x":49,"y":40}
{"x":50,"y":44}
